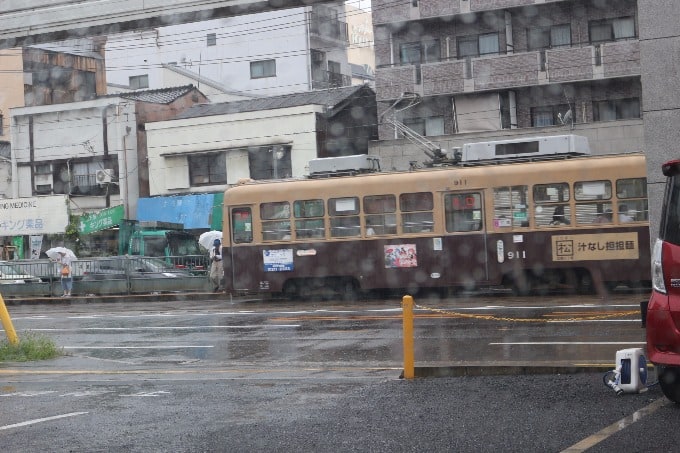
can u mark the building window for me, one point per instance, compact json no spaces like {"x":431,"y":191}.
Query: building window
{"x":138,"y":82}
{"x":549,"y":37}
{"x":433,"y":125}
{"x":548,"y":115}
{"x":616,"y":109}
{"x":611,"y":29}
{"x":211,"y":39}
{"x":205,"y":169}
{"x":42,"y":189}
{"x":474,"y":46}
{"x":43,"y":169}
{"x":270,"y":162}
{"x":263,"y":68}
{"x":420,"y":52}
{"x":84,"y":179}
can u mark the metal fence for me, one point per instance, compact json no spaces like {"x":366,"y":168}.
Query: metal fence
{"x":113,"y":276}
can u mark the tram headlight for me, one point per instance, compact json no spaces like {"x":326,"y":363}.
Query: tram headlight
{"x":657,"y":268}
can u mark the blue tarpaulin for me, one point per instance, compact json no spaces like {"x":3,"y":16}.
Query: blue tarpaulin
{"x":194,"y":211}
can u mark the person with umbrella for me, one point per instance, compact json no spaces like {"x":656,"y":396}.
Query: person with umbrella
{"x":66,"y":278}
{"x":216,"y":266}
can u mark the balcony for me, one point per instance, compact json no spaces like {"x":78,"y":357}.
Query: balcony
{"x":447,"y":77}
{"x":388,"y":11}
{"x":328,"y":27}
{"x":323,"y":80}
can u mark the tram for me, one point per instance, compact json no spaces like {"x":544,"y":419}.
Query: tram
{"x":572,"y":221}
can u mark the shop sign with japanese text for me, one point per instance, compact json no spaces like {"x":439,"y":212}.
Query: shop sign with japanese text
{"x":35,"y":215}
{"x":97,"y":221}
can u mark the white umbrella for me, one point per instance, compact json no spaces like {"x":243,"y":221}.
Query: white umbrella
{"x":207,"y":239}
{"x":54,"y":252}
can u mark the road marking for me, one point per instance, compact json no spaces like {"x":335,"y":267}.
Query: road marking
{"x":140,"y":328}
{"x":615,"y":427}
{"x":143,"y":394}
{"x":40,"y":420}
{"x":538,"y":343}
{"x":138,"y":347}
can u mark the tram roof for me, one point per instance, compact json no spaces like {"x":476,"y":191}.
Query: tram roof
{"x":491,"y":174}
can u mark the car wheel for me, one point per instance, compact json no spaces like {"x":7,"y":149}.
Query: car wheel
{"x":669,"y":381}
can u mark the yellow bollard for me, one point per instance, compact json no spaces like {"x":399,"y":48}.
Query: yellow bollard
{"x":7,"y":323}
{"x":407,"y":313}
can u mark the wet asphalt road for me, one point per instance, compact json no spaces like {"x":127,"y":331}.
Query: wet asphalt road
{"x":322,"y":376}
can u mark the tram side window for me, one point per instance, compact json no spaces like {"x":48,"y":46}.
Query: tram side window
{"x":275,"y":221}
{"x":380,"y":214}
{"x":510,"y":206}
{"x":593,"y":202}
{"x":416,"y":212}
{"x":344,"y":215}
{"x":309,"y":221}
{"x":632,"y":194}
{"x":241,"y":225}
{"x":551,"y":204}
{"x":463,"y":212}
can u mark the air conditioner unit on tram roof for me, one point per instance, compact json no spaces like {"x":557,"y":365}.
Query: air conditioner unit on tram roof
{"x":104,"y":176}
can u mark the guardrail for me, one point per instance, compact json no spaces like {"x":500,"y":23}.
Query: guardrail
{"x":113,"y":276}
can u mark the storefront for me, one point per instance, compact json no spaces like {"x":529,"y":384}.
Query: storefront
{"x":99,"y":232}
{"x":198,"y":213}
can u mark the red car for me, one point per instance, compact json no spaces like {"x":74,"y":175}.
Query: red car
{"x":662,"y":316}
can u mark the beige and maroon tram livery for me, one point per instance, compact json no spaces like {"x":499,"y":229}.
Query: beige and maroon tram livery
{"x":558,"y":223}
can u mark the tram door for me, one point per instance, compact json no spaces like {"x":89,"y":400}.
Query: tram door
{"x":465,"y":243}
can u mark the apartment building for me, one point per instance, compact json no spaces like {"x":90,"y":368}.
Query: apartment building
{"x":497,"y":69}
{"x":256,"y":55}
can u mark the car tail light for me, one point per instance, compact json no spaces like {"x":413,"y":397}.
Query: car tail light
{"x":658,"y":282}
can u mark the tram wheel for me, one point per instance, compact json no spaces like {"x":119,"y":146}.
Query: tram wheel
{"x":291,"y":290}
{"x":586,"y":285}
{"x":349,"y":290}
{"x":669,"y":381}
{"x":522,"y":286}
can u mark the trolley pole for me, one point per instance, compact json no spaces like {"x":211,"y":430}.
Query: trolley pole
{"x":407,"y":313}
{"x":7,"y":323}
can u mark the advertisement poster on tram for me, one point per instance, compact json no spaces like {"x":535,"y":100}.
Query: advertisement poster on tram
{"x":401,"y":255}
{"x":279,"y":260}
{"x":588,"y":247}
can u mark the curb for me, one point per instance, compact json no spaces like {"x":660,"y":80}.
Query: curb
{"x":505,"y":370}
{"x":92,"y":299}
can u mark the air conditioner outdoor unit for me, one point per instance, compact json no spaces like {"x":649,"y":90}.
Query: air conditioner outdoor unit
{"x":104,"y":176}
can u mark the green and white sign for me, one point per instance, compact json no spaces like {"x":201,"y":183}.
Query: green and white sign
{"x":97,"y":221}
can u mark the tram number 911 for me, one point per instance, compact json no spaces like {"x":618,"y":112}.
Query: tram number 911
{"x":502,"y":255}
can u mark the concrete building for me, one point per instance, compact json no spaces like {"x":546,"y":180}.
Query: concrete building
{"x":264,"y":54}
{"x":94,"y":151}
{"x":491,"y":70}
{"x":360,"y":54}
{"x":659,"y":46}
{"x":211,"y":146}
